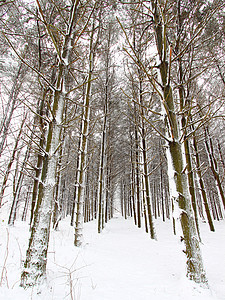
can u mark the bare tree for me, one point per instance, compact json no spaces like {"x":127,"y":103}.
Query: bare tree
{"x":36,"y":258}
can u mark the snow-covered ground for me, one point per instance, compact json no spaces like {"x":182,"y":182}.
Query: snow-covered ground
{"x":122,"y":263}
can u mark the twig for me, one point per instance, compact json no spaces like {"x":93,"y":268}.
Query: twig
{"x":4,"y":270}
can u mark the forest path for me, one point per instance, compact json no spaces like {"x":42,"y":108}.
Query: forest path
{"x":123,"y":263}
{"x":128,"y":265}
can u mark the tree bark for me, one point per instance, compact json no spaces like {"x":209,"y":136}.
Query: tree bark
{"x":202,"y":185}
{"x":7,"y":172}
{"x":17,"y":190}
{"x":81,"y":172}
{"x":213,"y":164}
{"x":195,"y":270}
{"x":36,"y":257}
{"x":17,"y":82}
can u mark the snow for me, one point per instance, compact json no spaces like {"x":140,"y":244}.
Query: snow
{"x":171,"y":171}
{"x":121,"y":263}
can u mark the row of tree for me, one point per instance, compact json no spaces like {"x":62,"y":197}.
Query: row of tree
{"x":106,"y":98}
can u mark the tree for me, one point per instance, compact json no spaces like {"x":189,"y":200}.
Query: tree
{"x":101,"y":128}
{"x":160,"y":14}
{"x":195,"y":270}
{"x":81,"y":171}
{"x":36,"y":258}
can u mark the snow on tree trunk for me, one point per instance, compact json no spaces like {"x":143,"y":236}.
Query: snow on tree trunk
{"x":39,"y":158}
{"x":81,"y":172}
{"x":177,"y":163}
{"x":36,"y":257}
{"x":195,"y":270}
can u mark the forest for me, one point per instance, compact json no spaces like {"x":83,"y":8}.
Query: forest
{"x":110,"y":109}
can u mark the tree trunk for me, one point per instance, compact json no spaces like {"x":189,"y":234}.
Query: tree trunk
{"x":213,"y":164}
{"x":101,"y":181}
{"x":36,"y":257}
{"x":146,"y":184}
{"x":202,"y":185}
{"x":132,"y":183}
{"x":16,"y":194}
{"x":185,"y":106}
{"x":81,"y":171}
{"x":24,"y":215}
{"x":39,"y":158}
{"x":7,"y":172}
{"x":195,"y":270}
{"x":76,"y":176}
{"x":137,"y":177}
{"x":6,"y":120}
